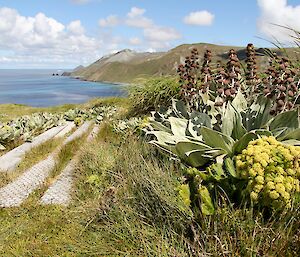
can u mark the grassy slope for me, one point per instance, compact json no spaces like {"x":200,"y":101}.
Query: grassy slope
{"x":11,"y":111}
{"x":33,"y":230}
{"x":126,"y":205}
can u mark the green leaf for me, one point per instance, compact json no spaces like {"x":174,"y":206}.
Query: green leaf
{"x":180,"y":109}
{"x":194,"y":130}
{"x":159,"y":126}
{"x":216,"y":171}
{"x":213,"y":153}
{"x":207,"y":206}
{"x":187,"y":146}
{"x":262,"y":132}
{"x":216,"y":139}
{"x":291,"y":142}
{"x":185,"y":150}
{"x":202,"y":119}
{"x":229,"y":165}
{"x":258,"y":114}
{"x":164,"y":137}
{"x":228,"y":120}
{"x":294,"y":134}
{"x":170,"y":149}
{"x":279,"y":132}
{"x":243,"y":142}
{"x":196,"y":121}
{"x":198,"y":158}
{"x":184,"y":192}
{"x":196,"y":154}
{"x":286,"y":119}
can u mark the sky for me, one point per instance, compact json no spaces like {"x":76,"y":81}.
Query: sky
{"x":68,"y":33}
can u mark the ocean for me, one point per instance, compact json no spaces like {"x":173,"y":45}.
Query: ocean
{"x":40,"y":89}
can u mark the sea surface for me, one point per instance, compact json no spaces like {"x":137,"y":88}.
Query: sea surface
{"x":39,"y":88}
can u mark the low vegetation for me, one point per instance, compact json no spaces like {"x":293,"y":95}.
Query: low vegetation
{"x":26,"y":127}
{"x":212,"y":171}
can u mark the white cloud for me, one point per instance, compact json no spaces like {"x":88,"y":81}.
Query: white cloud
{"x":139,"y":22}
{"x":199,"y":18}
{"x":135,"y":41}
{"x":76,"y":28}
{"x":161,"y":34}
{"x":280,"y":13}
{"x":43,"y":38}
{"x":135,"y":12}
{"x":42,"y":41}
{"x":110,"y":21}
{"x":151,"y":50}
{"x":136,"y":19}
{"x":156,"y":36}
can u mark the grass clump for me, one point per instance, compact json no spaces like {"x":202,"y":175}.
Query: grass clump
{"x":131,"y":212}
{"x":147,"y":95}
{"x":244,"y":232}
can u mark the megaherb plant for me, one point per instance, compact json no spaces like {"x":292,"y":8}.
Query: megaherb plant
{"x":190,"y":137}
{"x":213,"y":136}
{"x":220,"y":83}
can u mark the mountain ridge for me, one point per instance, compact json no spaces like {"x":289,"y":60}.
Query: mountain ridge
{"x":127,"y":65}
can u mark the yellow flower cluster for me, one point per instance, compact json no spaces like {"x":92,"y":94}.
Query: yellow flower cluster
{"x":272,"y":170}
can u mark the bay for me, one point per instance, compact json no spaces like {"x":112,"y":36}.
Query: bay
{"x":40,"y":89}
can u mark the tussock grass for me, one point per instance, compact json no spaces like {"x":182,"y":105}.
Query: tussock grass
{"x":245,"y":232}
{"x":147,"y":95}
{"x":132,"y":205}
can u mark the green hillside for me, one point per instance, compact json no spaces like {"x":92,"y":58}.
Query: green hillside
{"x":127,"y":65}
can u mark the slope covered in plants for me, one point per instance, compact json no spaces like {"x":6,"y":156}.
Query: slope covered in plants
{"x":205,"y":164}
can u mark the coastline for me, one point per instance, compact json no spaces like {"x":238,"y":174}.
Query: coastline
{"x":99,"y":81}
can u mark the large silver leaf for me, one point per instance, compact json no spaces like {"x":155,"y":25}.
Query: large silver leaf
{"x":232,"y":125}
{"x":239,"y":102}
{"x":178,"y":126}
{"x":216,"y":139}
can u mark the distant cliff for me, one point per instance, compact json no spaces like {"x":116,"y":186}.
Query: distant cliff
{"x":69,"y":73}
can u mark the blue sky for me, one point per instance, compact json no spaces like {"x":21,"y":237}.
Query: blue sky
{"x":66,"y":33}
